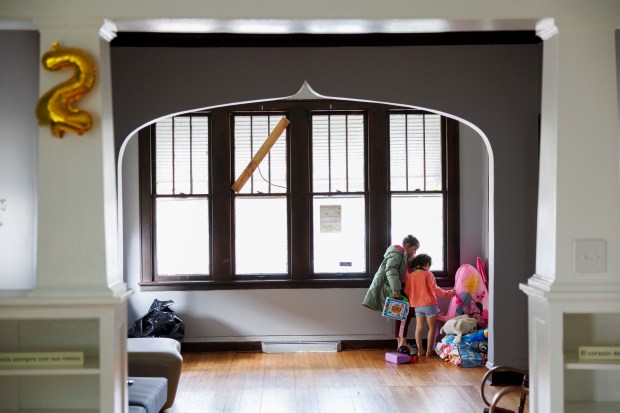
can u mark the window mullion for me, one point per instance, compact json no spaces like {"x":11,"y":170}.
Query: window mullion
{"x":299,"y":195}
{"x":269,"y":157}
{"x":378,"y":186}
{"x":191,"y":156}
{"x":173,"y":157}
{"x":251,"y":151}
{"x":407,"y":152}
{"x":450,"y":140}
{"x":329,"y":153}
{"x":222,"y":203}
{"x":424,"y":150}
{"x":146,"y":161}
{"x":346,"y":151}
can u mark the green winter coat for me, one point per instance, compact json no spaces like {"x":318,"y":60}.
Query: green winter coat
{"x":386,"y":281}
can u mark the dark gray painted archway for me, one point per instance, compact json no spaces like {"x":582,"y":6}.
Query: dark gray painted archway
{"x":495,"y":87}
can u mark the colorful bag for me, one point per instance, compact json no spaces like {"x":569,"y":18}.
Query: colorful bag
{"x":396,"y":309}
{"x":467,"y":353}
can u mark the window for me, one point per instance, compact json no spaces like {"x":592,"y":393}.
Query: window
{"x":343,"y":181}
{"x":261,"y":206}
{"x":180,"y":199}
{"x":416,"y":181}
{"x":339,"y":199}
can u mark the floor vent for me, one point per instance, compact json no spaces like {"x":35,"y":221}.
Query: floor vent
{"x":300,"y":346}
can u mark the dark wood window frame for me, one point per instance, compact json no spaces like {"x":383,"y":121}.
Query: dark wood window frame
{"x":221,"y":207}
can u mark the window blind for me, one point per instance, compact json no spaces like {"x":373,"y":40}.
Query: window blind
{"x":250,"y":132}
{"x":182,"y":156}
{"x":338,"y":153}
{"x":415,"y":152}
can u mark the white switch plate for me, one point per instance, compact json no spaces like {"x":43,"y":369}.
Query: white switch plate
{"x":590,"y":255}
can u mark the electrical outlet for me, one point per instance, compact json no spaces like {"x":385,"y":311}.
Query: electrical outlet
{"x":590,"y":255}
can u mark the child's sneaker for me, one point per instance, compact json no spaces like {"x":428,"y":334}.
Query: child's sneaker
{"x":403,"y":350}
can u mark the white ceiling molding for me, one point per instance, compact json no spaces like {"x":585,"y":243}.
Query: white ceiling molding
{"x":322,"y":26}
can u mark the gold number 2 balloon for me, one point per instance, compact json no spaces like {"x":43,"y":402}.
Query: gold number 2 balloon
{"x":55,"y":108}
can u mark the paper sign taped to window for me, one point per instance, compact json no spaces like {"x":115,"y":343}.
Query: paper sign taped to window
{"x":331,"y":218}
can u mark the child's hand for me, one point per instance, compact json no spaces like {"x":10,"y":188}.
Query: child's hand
{"x":452,"y":293}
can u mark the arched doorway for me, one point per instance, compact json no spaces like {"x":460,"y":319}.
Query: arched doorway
{"x":406,"y":75}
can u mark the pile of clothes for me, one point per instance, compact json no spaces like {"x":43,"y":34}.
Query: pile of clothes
{"x":466,"y":341}
{"x":470,"y":351}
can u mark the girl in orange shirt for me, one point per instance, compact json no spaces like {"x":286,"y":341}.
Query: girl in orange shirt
{"x":422,"y":291}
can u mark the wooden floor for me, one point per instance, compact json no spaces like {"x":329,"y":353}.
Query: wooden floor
{"x":358,"y":381}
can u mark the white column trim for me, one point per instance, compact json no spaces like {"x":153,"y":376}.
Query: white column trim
{"x":108,"y":30}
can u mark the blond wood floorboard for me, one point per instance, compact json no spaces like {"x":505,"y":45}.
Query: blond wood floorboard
{"x":417,"y":402}
{"x":358,"y":381}
{"x":435,"y":399}
{"x":256,"y":373}
{"x":362,"y":400}
{"x":250,"y":401}
{"x":306,"y":400}
{"x":354,"y":369}
{"x":285,"y":376}
{"x":334,"y":400}
{"x":304,"y":376}
{"x":401,"y":397}
{"x":239,"y":366}
{"x":278,"y":400}
{"x":471,"y":395}
{"x":271,"y":370}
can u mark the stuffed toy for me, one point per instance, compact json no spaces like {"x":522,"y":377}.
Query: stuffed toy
{"x":460,"y":325}
{"x":472,"y":296}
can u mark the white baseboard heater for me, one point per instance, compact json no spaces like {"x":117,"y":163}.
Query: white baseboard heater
{"x":300,"y":346}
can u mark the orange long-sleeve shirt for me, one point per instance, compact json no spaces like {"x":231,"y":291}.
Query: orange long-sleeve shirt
{"x":422,"y":290}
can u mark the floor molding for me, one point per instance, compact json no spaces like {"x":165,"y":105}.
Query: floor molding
{"x":256,"y":346}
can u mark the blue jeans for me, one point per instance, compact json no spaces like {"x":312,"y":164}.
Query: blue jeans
{"x":427,"y":310}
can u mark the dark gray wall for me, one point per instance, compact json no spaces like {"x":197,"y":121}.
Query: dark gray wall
{"x":19,"y":89}
{"x":473,"y":196}
{"x":496,"y":87}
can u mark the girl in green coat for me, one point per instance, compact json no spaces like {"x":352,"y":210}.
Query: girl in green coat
{"x":387,"y":279}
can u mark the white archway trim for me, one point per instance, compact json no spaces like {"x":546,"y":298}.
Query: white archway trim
{"x":307,"y":92}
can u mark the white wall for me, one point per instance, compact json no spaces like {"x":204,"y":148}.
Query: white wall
{"x":18,"y":149}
